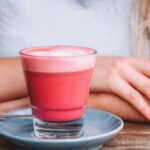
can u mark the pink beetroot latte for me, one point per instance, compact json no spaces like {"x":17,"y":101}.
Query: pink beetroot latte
{"x":58,"y":80}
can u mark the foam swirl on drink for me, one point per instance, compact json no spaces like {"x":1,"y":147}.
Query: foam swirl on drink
{"x":59,"y":53}
{"x":58,"y":59}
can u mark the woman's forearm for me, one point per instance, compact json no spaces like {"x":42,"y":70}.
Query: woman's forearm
{"x":13,"y":105}
{"x":12,"y":83}
{"x":114,"y":104}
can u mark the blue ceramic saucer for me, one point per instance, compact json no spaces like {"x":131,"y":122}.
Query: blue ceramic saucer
{"x":99,"y":127}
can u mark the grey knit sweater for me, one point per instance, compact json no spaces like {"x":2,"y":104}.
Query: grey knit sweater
{"x":100,"y":24}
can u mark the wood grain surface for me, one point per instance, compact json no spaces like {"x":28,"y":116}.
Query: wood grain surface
{"x":134,"y":136}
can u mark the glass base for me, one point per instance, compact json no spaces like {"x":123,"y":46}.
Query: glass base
{"x":57,"y":130}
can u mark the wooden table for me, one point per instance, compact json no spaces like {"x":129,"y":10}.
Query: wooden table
{"x":134,"y":136}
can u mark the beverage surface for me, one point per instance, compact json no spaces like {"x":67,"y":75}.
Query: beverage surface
{"x":58,"y":59}
{"x":59,"y":53}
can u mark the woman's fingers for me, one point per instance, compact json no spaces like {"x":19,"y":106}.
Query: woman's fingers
{"x":123,"y":89}
{"x":137,"y":80}
{"x":141,"y":64}
{"x":14,"y":105}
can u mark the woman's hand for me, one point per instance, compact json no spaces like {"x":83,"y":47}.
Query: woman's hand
{"x":126,"y":77}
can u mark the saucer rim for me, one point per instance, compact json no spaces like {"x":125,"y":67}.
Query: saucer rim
{"x":111,"y":133}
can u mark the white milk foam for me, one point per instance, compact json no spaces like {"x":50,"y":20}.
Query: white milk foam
{"x":59,"y":59}
{"x":59,"y":53}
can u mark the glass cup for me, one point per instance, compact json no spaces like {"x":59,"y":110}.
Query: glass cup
{"x":58,"y":81}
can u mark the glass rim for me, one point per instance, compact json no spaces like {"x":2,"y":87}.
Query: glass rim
{"x":23,"y":53}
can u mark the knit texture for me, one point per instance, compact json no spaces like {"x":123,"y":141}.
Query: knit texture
{"x":100,"y":24}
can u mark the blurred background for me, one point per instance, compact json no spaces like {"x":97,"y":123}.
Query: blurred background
{"x":112,"y":27}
